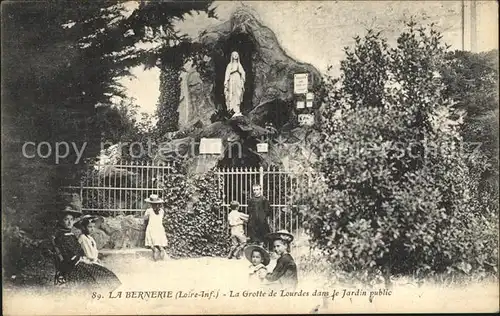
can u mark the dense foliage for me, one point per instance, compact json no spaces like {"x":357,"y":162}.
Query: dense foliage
{"x":194,"y":218}
{"x":61,"y":66}
{"x":472,"y":81}
{"x":395,"y":188}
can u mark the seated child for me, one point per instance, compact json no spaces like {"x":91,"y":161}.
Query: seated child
{"x":285,"y":272}
{"x":86,"y":224}
{"x":259,"y":258}
{"x":236,"y":220}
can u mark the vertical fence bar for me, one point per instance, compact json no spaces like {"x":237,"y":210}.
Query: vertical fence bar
{"x":147,"y":184}
{"x":130,"y":183}
{"x":136,"y":163}
{"x":261,"y":177}
{"x":231,"y":187}
{"x":115,"y":206}
{"x":94,"y":179}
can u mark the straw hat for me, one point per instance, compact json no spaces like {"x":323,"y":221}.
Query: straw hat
{"x":266,"y":257}
{"x":154,"y":199}
{"x":85,"y":219}
{"x":281,"y":234}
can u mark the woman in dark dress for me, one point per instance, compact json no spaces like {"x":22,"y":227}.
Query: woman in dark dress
{"x":285,"y":271}
{"x":259,"y":211}
{"x":73,"y":266}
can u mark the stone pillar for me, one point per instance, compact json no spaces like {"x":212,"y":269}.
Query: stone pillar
{"x":469,"y":25}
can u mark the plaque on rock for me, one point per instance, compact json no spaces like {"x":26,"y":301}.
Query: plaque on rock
{"x":309,"y":99}
{"x":300,"y":83}
{"x":262,"y":147}
{"x":306,"y":119}
{"x":210,"y":146}
{"x":300,"y":104}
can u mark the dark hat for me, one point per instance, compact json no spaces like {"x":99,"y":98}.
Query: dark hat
{"x":266,"y":257}
{"x":70,"y":210}
{"x":282,"y":235}
{"x":85,"y":219}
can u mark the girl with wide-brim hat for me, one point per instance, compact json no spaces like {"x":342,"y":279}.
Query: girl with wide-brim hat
{"x":259,"y":259}
{"x":285,"y":271}
{"x":155,"y":238}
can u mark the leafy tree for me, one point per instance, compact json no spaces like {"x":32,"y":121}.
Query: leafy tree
{"x":59,"y":63}
{"x":472,"y":82}
{"x":394,"y":191}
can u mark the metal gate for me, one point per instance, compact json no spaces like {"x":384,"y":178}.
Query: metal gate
{"x":277,"y":186}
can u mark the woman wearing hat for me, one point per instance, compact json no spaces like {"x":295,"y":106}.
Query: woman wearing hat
{"x":285,"y":272}
{"x":259,"y":258}
{"x":156,"y":239}
{"x":74,"y":266}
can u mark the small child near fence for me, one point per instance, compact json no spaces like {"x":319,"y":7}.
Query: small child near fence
{"x":236,"y":220}
{"x":156,"y":239}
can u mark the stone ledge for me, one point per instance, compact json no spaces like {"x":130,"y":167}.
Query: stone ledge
{"x":124,"y":251}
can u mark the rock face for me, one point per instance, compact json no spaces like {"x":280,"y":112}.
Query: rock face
{"x":120,"y":232}
{"x":268,"y":98}
{"x":270,"y":73}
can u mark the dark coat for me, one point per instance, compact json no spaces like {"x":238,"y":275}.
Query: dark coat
{"x":285,"y":272}
{"x":259,"y":211}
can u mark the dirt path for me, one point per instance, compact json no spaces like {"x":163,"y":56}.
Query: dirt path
{"x":226,"y":278}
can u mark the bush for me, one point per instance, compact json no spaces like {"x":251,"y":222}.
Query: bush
{"x":193,"y":221}
{"x":395,"y":190}
{"x":21,"y":249}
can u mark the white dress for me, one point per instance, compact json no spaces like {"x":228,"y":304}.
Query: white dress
{"x":89,"y":247}
{"x":155,"y":232}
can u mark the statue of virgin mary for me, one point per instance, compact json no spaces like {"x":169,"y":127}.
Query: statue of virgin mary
{"x":234,"y":84}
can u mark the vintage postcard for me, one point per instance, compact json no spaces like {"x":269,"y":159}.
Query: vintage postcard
{"x":249,"y":157}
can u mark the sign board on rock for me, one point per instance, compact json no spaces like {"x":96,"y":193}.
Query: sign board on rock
{"x":211,"y":146}
{"x":262,"y":147}
{"x":309,"y":99}
{"x":306,"y":119}
{"x":300,"y":83}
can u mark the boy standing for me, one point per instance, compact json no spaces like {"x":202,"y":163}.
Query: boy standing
{"x":236,"y":220}
{"x":259,"y":210}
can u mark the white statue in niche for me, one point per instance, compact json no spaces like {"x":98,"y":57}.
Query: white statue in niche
{"x":234,"y":84}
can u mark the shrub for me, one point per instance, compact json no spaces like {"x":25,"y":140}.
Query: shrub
{"x":395,"y":190}
{"x":193,"y":221}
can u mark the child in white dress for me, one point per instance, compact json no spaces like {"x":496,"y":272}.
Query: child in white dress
{"x":86,"y":224}
{"x":259,"y":259}
{"x":156,"y":239}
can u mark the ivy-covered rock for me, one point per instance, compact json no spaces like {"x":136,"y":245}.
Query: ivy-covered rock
{"x":194,"y":220}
